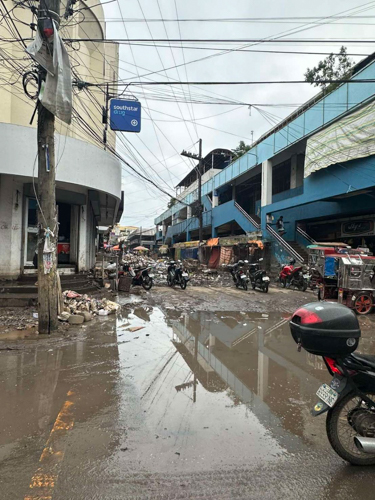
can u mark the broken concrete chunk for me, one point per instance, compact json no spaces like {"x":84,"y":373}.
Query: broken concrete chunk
{"x":86,"y":315}
{"x":64,"y":316}
{"x":76,"y":319}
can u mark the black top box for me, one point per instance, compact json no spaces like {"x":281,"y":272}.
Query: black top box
{"x":326,"y":329}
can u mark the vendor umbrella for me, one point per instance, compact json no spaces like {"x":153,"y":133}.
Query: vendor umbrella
{"x":141,"y":249}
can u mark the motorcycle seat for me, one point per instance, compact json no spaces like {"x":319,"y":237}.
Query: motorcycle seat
{"x":367,"y":359}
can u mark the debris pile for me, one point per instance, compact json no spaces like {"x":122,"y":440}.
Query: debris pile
{"x":86,"y":307}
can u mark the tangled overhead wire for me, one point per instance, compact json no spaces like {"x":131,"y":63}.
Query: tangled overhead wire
{"x":31,"y":79}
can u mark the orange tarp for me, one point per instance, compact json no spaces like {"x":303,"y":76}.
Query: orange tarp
{"x":213,"y":242}
{"x":257,"y":242}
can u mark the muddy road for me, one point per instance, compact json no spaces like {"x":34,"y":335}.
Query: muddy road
{"x":196,"y":395}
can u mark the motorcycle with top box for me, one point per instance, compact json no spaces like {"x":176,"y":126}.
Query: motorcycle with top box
{"x":332,"y":331}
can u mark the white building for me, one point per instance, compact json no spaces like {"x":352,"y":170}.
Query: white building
{"x":88,"y":179}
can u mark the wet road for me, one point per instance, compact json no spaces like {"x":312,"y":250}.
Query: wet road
{"x":211,"y":405}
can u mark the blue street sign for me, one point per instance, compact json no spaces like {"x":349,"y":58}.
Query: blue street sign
{"x":125,"y":115}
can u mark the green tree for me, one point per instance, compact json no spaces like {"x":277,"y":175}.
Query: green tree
{"x":240,"y":150}
{"x":172,"y":202}
{"x":333,"y":67}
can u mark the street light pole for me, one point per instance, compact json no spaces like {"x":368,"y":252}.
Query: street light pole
{"x":200,"y":165}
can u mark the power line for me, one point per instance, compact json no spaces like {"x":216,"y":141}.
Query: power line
{"x":264,"y":82}
{"x":222,"y":40}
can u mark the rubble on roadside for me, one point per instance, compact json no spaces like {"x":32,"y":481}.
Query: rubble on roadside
{"x":85,"y":307}
{"x":200,"y":274}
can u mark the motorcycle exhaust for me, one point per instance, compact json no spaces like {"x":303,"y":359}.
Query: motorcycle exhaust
{"x":366,"y":445}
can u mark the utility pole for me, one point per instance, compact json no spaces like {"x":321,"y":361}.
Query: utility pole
{"x":200,"y":164}
{"x":47,"y":216}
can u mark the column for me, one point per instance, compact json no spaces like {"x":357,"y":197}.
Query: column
{"x":11,"y":206}
{"x":234,"y":192}
{"x":188,"y":212}
{"x":293,"y":172}
{"x":82,"y":239}
{"x":266,"y":183}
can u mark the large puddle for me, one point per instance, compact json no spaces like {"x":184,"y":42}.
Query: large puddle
{"x":164,"y":393}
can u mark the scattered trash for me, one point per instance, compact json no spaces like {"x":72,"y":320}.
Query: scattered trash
{"x":35,"y":315}
{"x":64,"y":316}
{"x":134,"y":328}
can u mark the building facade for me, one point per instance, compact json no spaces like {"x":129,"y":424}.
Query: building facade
{"x":141,"y":237}
{"x":88,"y":179}
{"x":315,"y":168}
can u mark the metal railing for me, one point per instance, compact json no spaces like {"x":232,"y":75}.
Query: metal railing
{"x":305,"y":235}
{"x":284,"y":244}
{"x":248,"y":217}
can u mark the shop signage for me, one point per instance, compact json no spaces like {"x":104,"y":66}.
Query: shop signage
{"x":125,"y":116}
{"x":357,"y":228}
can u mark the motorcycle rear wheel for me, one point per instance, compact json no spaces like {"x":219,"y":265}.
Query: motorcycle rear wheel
{"x":183,"y":283}
{"x":147,"y":283}
{"x":341,"y":434}
{"x":283,"y":282}
{"x":244,"y":285}
{"x":169,"y":280}
{"x":265,"y":288}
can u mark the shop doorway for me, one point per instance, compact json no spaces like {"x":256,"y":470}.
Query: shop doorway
{"x":31,"y":233}
{"x":63,"y":242}
{"x":67,"y":237}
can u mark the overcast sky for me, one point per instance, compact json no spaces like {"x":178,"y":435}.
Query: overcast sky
{"x":163,"y":137}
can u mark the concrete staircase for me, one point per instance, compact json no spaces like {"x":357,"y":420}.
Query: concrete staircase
{"x":300,"y":250}
{"x":24,"y":291}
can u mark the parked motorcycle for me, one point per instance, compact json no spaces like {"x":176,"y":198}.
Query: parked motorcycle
{"x":141,"y":277}
{"x":285,"y":272}
{"x":239,"y":275}
{"x":258,"y":277}
{"x":177,"y":275}
{"x":298,"y":279}
{"x":293,"y":277}
{"x":332,"y":331}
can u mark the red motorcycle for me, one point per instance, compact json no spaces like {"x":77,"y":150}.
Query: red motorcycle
{"x":293,"y":277}
{"x":286,"y":272}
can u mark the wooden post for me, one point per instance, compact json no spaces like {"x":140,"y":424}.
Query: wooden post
{"x":47,"y":218}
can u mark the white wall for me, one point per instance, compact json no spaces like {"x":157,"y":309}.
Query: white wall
{"x":11,"y":234}
{"x":80,"y":163}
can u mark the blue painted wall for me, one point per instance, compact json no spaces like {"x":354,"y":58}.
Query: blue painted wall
{"x":342,"y":99}
{"x":326,"y":183}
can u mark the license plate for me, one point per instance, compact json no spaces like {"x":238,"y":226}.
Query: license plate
{"x":327,"y":395}
{"x":265,"y":278}
{"x":306,"y":276}
{"x":151,"y":276}
{"x":185,"y":275}
{"x":243,"y":276}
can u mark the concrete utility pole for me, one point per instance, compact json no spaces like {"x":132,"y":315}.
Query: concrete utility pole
{"x":200,"y":165}
{"x":47,"y":215}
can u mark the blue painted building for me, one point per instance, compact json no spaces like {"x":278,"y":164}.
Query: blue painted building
{"x":316,"y":168}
